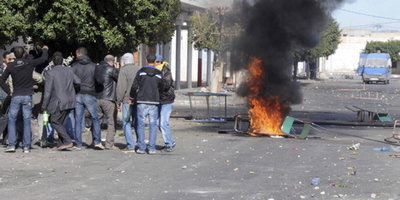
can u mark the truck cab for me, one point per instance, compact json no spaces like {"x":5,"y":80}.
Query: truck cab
{"x":375,"y":67}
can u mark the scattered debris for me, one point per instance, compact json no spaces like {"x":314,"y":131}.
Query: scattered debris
{"x":315,"y":181}
{"x":381,"y":149}
{"x":354,"y":147}
{"x":396,"y":149}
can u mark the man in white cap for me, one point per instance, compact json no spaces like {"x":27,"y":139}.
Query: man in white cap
{"x":126,"y":76}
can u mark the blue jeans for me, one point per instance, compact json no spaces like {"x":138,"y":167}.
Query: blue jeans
{"x":50,"y":133}
{"x":90,"y":103}
{"x":165,"y":113}
{"x":144,"y":110}
{"x":71,"y":124}
{"x":48,"y":130}
{"x":129,"y":111}
{"x":16,"y":103}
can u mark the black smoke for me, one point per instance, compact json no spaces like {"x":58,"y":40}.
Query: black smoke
{"x":273,"y":31}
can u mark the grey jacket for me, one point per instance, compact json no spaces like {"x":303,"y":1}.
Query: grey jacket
{"x":125,"y":80}
{"x":59,"y":90}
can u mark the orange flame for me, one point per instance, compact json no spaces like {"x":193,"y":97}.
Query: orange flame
{"x":266,"y":115}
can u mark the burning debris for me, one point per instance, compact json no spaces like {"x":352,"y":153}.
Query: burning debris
{"x":274,"y":30}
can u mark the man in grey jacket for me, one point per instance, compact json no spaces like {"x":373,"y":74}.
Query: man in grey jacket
{"x":59,"y":98}
{"x":126,"y":76}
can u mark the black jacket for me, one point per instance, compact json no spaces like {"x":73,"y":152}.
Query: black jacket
{"x":106,"y":77}
{"x":147,"y":86}
{"x":21,"y":72}
{"x":59,"y":89}
{"x":84,"y":68}
{"x":167,"y":95}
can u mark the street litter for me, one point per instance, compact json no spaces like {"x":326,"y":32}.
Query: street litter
{"x":396,"y":149}
{"x":382,"y":149}
{"x":315,"y":181}
{"x":354,"y":147}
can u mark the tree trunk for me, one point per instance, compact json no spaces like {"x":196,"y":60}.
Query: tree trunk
{"x":295,"y":62}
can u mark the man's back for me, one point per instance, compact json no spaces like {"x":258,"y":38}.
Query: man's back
{"x":60,"y":84}
{"x":125,"y":79}
{"x":107,"y":77}
{"x":21,"y":72}
{"x":84,"y":68}
{"x":147,"y":85}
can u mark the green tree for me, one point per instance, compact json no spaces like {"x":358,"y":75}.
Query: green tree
{"x":391,"y":47}
{"x":214,"y":30}
{"x":115,"y":26}
{"x":330,"y":40}
{"x":12,"y":22}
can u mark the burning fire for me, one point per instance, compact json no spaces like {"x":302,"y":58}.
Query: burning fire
{"x":266,"y":115}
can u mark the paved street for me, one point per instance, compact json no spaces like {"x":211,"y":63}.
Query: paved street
{"x":209,"y":165}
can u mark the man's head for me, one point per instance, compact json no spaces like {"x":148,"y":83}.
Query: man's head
{"x":127,"y":58}
{"x":109,"y":59}
{"x":57,"y":58}
{"x":159,"y":59}
{"x":151,"y":58}
{"x":81,"y":51}
{"x":19,"y":52}
{"x":8,"y":57}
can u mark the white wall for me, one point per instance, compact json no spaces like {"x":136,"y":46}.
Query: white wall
{"x":345,"y":59}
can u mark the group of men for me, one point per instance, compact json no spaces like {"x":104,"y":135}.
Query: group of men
{"x":100,"y":89}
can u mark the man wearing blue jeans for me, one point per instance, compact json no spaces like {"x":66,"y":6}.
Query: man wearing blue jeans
{"x":126,"y":76}
{"x":21,"y":72}
{"x":167,"y":97}
{"x":84,"y":68}
{"x":146,"y":92}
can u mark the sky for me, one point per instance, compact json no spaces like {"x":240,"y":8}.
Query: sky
{"x":378,"y":15}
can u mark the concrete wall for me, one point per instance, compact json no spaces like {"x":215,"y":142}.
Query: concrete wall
{"x":345,"y":59}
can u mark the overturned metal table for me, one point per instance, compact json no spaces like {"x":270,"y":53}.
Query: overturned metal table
{"x":207,"y":96}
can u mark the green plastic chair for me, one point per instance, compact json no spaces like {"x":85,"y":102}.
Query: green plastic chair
{"x":383,"y":117}
{"x":288,"y":124}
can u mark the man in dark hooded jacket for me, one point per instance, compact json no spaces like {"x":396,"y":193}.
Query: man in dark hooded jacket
{"x":84,"y":68}
{"x":145,"y":91}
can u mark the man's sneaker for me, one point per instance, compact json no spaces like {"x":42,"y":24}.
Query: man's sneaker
{"x":10,"y":150}
{"x":64,"y":146}
{"x":127,"y":150}
{"x":152,"y":152}
{"x":140,"y":151}
{"x":169,"y":149}
{"x":75,"y":148}
{"x":112,"y":148}
{"x":26,"y":150}
{"x":99,"y":146}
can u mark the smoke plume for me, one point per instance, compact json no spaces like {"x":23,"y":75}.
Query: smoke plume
{"x":273,"y":31}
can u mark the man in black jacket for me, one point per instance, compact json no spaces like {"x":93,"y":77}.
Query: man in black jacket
{"x":59,"y":98}
{"x":84,"y":68}
{"x":21,"y":72}
{"x":145,"y":91}
{"x":107,"y":77}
